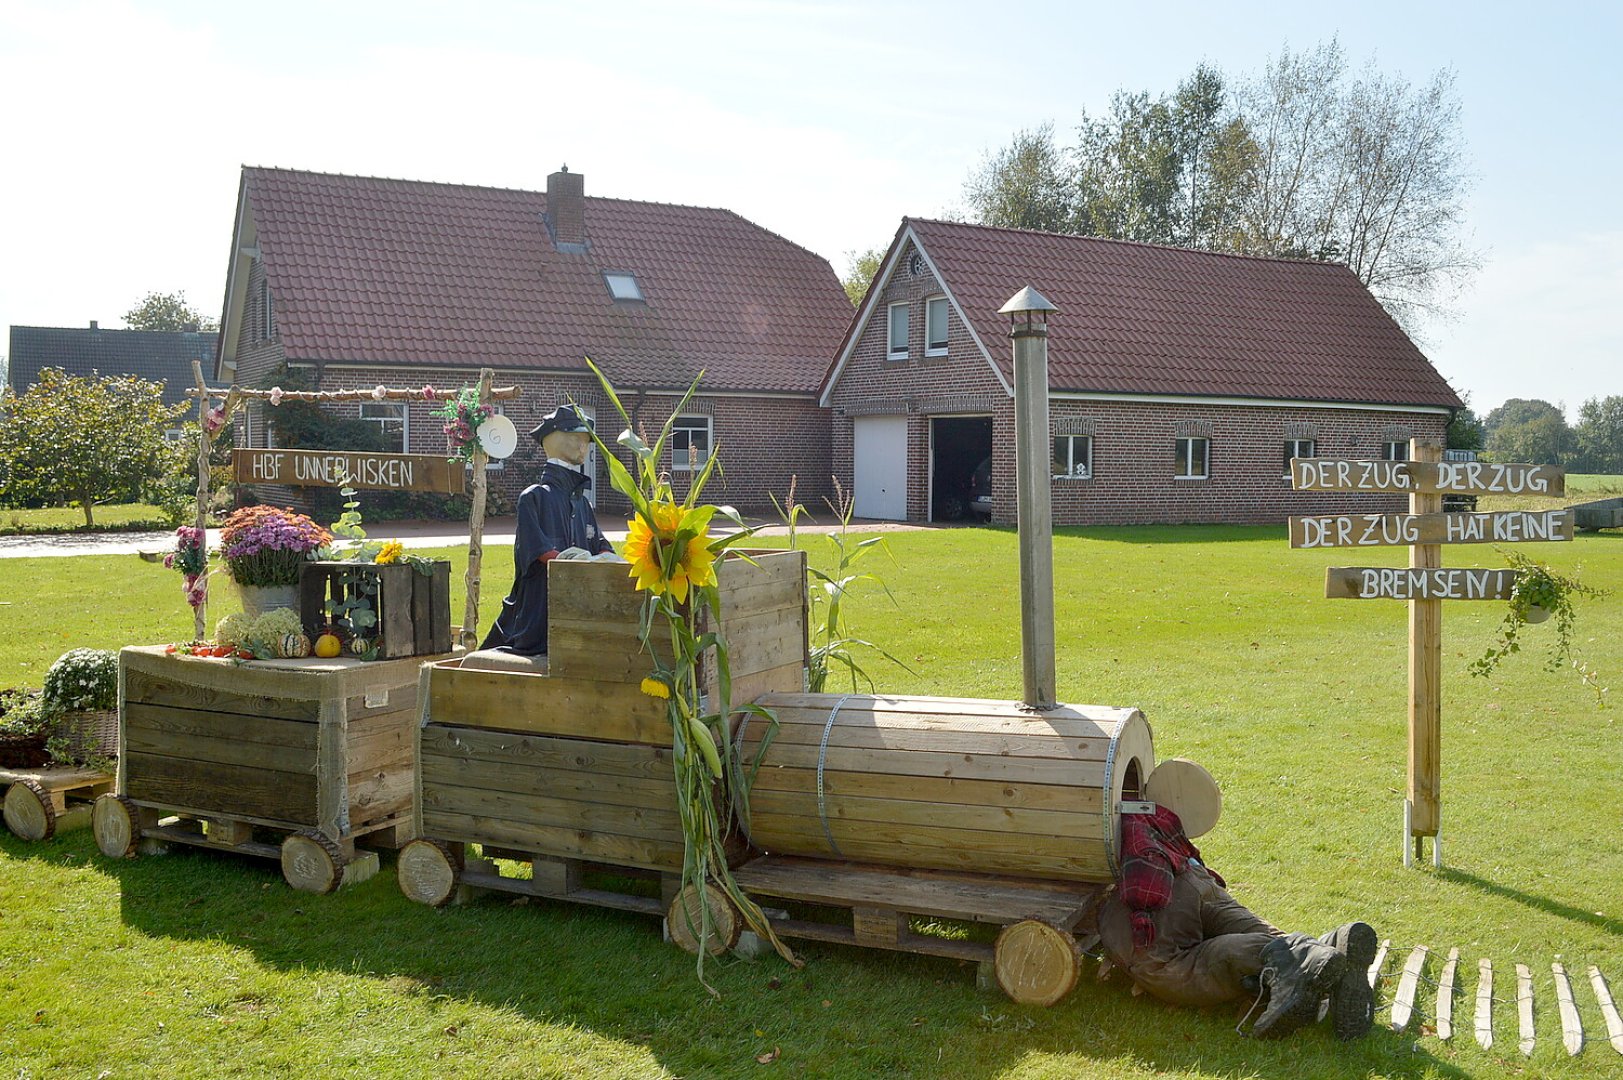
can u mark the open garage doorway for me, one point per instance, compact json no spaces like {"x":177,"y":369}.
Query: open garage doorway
{"x":960,"y":468}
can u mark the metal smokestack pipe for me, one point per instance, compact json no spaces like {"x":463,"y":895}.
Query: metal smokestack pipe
{"x":1028,"y":315}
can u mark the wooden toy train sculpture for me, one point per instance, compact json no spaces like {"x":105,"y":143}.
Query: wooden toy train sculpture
{"x":886,"y":807}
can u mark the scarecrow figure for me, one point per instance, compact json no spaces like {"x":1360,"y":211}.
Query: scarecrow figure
{"x":1174,"y":928}
{"x":555,"y":521}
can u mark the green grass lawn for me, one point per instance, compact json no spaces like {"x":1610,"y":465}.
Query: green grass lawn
{"x":66,"y":519}
{"x":201,"y":965}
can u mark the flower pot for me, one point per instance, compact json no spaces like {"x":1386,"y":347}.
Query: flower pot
{"x":1536,"y":614}
{"x":258,"y":599}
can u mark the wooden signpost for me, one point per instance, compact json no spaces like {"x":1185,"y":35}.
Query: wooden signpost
{"x":1425,"y":583}
{"x":332,"y":468}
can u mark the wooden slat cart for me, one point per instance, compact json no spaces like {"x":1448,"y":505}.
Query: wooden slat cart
{"x":565,"y":764}
{"x":295,"y":760}
{"x":43,"y":802}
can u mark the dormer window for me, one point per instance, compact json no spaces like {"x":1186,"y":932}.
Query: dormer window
{"x":622,"y":286}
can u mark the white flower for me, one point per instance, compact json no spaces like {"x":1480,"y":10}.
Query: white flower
{"x":276,"y":395}
{"x":380,"y":392}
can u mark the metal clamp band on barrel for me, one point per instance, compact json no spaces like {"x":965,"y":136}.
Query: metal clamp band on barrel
{"x":822,"y":756}
{"x":1111,"y":837}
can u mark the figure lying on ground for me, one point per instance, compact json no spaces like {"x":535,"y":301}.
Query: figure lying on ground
{"x":1173,"y":927}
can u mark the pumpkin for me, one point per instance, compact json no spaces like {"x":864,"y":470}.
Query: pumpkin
{"x":358,"y":646}
{"x":294,"y":646}
{"x":328,"y":646}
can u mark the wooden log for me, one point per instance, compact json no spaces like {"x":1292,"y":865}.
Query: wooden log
{"x":1445,"y":996}
{"x":886,"y":783}
{"x":476,"y":528}
{"x":1484,"y":1003}
{"x":1524,"y":1009}
{"x":1608,"y":1008}
{"x":311,"y":862}
{"x":428,"y":872}
{"x":693,"y":908}
{"x":30,"y":812}
{"x":1403,"y":1006}
{"x":116,"y":824}
{"x":1036,"y":964}
{"x":1425,"y":671}
{"x":1572,"y":1028}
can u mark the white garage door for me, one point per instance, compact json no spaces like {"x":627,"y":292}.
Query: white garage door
{"x":880,"y":457}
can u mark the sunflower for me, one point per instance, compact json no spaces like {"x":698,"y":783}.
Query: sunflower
{"x":392,"y":550}
{"x":648,"y":540}
{"x":656,"y":688}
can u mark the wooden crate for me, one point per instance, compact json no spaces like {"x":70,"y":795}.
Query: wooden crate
{"x":413,"y":608}
{"x":324,"y":750}
{"x":575,"y":764}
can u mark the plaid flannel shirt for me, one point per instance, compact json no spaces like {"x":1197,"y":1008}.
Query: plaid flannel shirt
{"x":1153,"y":851}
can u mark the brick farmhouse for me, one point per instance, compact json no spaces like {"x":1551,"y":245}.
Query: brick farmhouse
{"x":1181,"y":382}
{"x":161,"y":356}
{"x":355,"y":282}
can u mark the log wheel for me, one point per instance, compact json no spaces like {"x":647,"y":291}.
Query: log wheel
{"x":29,"y":812}
{"x":116,"y":823}
{"x":683,"y":919}
{"x":1035,"y":963}
{"x":311,"y":862}
{"x":428,"y":872}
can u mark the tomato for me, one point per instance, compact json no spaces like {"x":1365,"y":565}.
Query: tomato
{"x":244,"y":654}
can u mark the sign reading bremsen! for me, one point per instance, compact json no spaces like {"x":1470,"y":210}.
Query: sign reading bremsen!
{"x":1385,"y":530}
{"x":332,"y":468}
{"x":1427,"y":477}
{"x":1411,"y":583}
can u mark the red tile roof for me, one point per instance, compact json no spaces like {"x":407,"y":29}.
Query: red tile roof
{"x":1141,"y":319}
{"x":400,"y":272}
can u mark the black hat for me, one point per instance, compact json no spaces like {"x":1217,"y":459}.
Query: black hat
{"x":563,"y":418}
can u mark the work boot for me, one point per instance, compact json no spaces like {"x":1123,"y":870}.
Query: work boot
{"x":1299,"y":972}
{"x":1352,"y":999}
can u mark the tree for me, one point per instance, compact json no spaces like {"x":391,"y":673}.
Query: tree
{"x":81,"y":440}
{"x":1026,"y":185}
{"x":859,"y":273}
{"x":1530,"y":430}
{"x":1465,"y":428}
{"x":1301,"y":160}
{"x":167,"y":311}
{"x":1599,"y":435}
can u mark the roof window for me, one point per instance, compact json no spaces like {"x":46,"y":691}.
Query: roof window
{"x":622,"y":286}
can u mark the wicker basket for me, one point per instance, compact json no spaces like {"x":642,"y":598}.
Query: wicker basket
{"x":23,"y":751}
{"x":89,"y":733}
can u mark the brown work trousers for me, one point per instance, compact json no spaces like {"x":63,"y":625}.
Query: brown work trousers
{"x":1205,"y":942}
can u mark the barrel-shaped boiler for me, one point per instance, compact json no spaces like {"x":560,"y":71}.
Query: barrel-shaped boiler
{"x":945,"y":783}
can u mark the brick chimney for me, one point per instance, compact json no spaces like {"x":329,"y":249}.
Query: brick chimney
{"x":566,"y":209}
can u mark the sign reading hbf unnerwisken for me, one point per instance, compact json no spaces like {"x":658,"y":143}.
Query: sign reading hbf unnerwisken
{"x":333,"y":468}
{"x":1427,"y":477}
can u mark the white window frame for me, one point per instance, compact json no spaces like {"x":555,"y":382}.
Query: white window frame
{"x":1395,"y":450}
{"x":891,"y":351}
{"x":1072,"y":472}
{"x":1293,"y":449}
{"x":1184,"y":449}
{"x":680,"y":463}
{"x":931,"y":348}
{"x":402,"y":411}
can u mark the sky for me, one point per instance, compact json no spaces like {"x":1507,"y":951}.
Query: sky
{"x":124,"y":126}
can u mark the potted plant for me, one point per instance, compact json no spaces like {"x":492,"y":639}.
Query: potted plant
{"x":264,"y":548}
{"x":1539,"y":595}
{"x":25,"y":725}
{"x":82,"y":687}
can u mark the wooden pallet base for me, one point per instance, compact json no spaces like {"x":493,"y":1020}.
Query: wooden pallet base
{"x":555,"y":879}
{"x":39,"y":803}
{"x":310,"y":861}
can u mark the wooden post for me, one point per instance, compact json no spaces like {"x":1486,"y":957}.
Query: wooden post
{"x":1035,"y":520}
{"x":200,"y":614}
{"x":1425,"y":670}
{"x":476,"y":528}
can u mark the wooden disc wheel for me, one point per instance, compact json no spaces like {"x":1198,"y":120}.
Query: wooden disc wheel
{"x":29,"y":812}
{"x":1035,"y":963}
{"x":311,"y":862}
{"x":116,"y":823}
{"x":682,"y":921}
{"x":428,"y":872}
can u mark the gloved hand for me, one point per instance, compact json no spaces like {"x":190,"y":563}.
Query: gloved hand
{"x":574,"y":553}
{"x":607,"y":556}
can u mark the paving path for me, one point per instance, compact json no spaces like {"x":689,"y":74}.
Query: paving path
{"x":414,"y":534}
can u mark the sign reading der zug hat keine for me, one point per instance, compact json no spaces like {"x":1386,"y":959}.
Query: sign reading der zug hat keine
{"x":333,"y":468}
